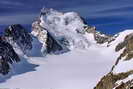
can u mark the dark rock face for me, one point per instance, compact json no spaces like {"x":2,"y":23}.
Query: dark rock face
{"x":109,"y":81}
{"x":101,"y":38}
{"x":4,"y":66}
{"x":7,"y":56}
{"x":90,"y":29}
{"x":17,"y":34}
{"x":49,"y":43}
{"x":52,"y":45}
{"x":127,"y":44}
{"x":120,"y":46}
{"x":104,"y":38}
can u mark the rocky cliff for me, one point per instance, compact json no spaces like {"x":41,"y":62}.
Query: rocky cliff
{"x":121,"y":74}
{"x":15,"y":37}
{"x":7,"y":56}
{"x":18,"y":37}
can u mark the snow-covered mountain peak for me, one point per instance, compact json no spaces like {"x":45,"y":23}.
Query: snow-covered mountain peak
{"x":64,"y":27}
{"x":59,"y":23}
{"x":48,"y":11}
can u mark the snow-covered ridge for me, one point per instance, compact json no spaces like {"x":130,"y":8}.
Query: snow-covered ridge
{"x":120,"y":76}
{"x":120,"y":37}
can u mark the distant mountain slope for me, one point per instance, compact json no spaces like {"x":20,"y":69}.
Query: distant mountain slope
{"x":120,"y":76}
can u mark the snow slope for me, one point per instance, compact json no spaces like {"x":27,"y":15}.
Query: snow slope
{"x":73,"y":70}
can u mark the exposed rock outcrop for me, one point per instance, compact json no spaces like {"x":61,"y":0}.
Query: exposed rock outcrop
{"x":99,"y":37}
{"x":7,"y":56}
{"x":49,"y":43}
{"x":110,"y":81}
{"x":90,"y":29}
{"x":17,"y":36}
{"x":117,"y":78}
{"x":127,"y":44}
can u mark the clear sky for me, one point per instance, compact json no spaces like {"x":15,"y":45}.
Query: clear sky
{"x":110,"y":16}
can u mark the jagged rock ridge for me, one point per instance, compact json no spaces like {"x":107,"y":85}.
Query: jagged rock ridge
{"x":14,"y":37}
{"x":17,"y":36}
{"x":7,"y":56}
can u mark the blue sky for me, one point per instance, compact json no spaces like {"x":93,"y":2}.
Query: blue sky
{"x":107,"y":15}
